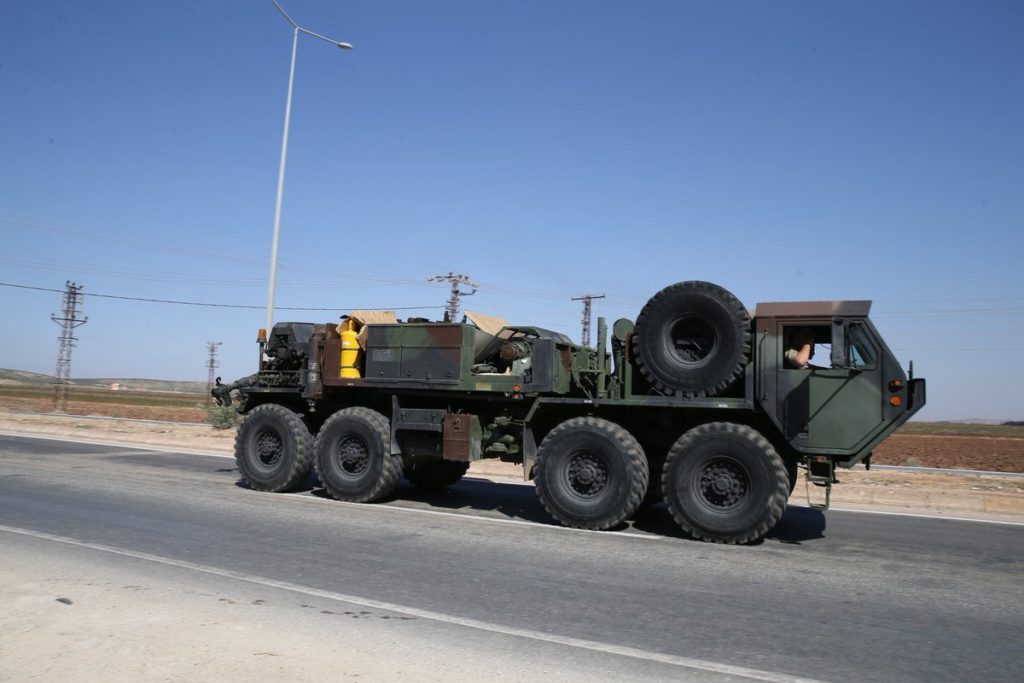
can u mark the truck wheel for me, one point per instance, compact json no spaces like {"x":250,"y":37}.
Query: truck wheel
{"x":353,"y":456}
{"x":793,"y":472}
{"x":273,"y":448}
{"x":590,"y":473}
{"x":431,"y":474}
{"x":654,"y":493}
{"x":692,"y":338}
{"x":724,"y":482}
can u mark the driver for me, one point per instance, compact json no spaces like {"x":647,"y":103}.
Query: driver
{"x":799,"y":348}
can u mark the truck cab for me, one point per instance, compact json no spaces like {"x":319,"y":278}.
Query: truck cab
{"x":851,"y":394}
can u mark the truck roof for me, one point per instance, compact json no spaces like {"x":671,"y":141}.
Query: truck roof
{"x":824,"y":309}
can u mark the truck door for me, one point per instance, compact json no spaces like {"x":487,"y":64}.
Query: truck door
{"x":839,"y":403}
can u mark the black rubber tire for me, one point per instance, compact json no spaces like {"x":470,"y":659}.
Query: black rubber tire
{"x":433,"y":474}
{"x":590,"y":473}
{"x":793,"y":472}
{"x":725,"y":483}
{"x":353,"y":456}
{"x":273,"y":448}
{"x":654,"y":494}
{"x":692,"y":339}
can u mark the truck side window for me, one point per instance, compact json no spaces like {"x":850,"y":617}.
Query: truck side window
{"x":798,"y":337}
{"x":862,"y":353}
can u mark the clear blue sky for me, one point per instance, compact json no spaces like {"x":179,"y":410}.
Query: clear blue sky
{"x":787,"y":150}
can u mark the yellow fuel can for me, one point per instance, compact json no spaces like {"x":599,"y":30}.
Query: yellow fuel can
{"x":349,"y":352}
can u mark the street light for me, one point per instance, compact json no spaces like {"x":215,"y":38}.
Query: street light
{"x":284,"y":153}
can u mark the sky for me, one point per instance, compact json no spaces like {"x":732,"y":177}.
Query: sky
{"x":785,"y":150}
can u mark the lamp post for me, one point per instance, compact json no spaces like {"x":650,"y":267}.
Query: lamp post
{"x":296,"y":30}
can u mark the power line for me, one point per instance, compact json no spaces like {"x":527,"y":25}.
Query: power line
{"x":963,"y":348}
{"x":46,"y":225}
{"x":199,"y":303}
{"x":948,"y":313}
{"x":79,"y":231}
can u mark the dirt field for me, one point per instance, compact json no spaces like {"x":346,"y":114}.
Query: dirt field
{"x":992,"y":453}
{"x":975,"y":447}
{"x":146,"y":405}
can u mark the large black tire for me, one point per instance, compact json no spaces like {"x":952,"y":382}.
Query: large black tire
{"x":433,"y":474}
{"x":791,"y":459}
{"x":692,"y":339}
{"x":590,"y":473}
{"x":724,"y":482}
{"x":353,"y":456}
{"x":273,"y":448}
{"x":793,"y":472}
{"x":654,"y":493}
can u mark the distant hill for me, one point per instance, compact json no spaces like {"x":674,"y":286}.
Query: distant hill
{"x":127,"y":384}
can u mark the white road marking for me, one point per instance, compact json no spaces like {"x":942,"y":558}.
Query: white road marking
{"x":924,"y":516}
{"x":118,"y":444}
{"x":594,"y":646}
{"x":177,"y":451}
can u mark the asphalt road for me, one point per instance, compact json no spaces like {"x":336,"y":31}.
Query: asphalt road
{"x":844,"y":596}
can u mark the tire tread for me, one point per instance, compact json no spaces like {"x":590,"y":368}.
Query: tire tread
{"x":391,"y":469}
{"x":636,"y":461}
{"x":777,"y":497}
{"x":737,"y":309}
{"x":293,"y":423}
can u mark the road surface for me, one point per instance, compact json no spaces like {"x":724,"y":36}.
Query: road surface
{"x":480,"y":582}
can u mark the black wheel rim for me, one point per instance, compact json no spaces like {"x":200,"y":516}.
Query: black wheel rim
{"x":352,"y":457}
{"x":268,"y":447}
{"x":690,"y":340}
{"x":587,"y":474}
{"x":723,"y":484}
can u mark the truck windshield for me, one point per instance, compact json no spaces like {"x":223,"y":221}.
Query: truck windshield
{"x":862,"y":351}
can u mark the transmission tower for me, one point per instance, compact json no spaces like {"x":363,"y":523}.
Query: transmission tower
{"x":451,"y":309}
{"x":68,"y":321}
{"x":586,"y":299}
{"x":211,"y":364}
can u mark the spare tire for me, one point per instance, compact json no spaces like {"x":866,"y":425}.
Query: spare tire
{"x":692,"y":339}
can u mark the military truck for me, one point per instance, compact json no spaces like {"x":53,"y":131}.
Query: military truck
{"x":695,"y":403}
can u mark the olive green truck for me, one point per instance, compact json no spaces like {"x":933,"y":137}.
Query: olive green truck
{"x":696,"y":403}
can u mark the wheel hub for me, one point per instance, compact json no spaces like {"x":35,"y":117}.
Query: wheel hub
{"x":587,"y":474}
{"x":691,"y":340}
{"x":268,"y":447}
{"x":353,"y":456}
{"x":723,"y":484}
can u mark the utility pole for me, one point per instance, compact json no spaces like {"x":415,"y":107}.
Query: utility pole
{"x":68,"y":322}
{"x":296,"y":30}
{"x":451,"y":309}
{"x":211,"y":364}
{"x":586,"y":299}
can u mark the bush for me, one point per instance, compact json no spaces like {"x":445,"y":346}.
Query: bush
{"x":221,"y":417}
